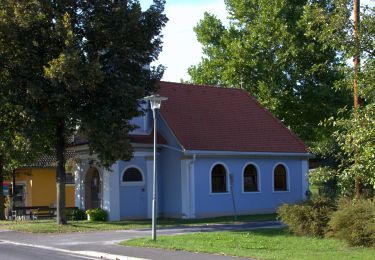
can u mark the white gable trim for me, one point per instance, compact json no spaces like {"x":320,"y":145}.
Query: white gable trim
{"x":172,"y":148}
{"x":170,"y":130}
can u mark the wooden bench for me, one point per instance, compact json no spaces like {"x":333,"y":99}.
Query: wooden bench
{"x":36,"y":212}
{"x":52,"y":212}
{"x":44,"y":213}
{"x":32,"y":213}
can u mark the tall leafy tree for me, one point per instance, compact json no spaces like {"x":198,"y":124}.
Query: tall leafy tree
{"x":268,"y":50}
{"x":81,"y":65}
{"x":16,"y":149}
{"x":10,"y":144}
{"x":354,"y":136}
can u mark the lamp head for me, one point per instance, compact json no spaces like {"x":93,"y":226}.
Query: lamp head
{"x":155,"y":101}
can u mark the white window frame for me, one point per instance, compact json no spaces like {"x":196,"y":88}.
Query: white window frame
{"x":287,"y":178}
{"x":258,"y":179}
{"x":226,"y":176}
{"x":132,"y":183}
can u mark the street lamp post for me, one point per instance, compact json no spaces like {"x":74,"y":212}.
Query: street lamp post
{"x":155,"y":101}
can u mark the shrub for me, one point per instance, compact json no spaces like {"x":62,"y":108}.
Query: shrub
{"x":354,"y":221}
{"x":308,"y":218}
{"x":97,"y":214}
{"x":78,"y":214}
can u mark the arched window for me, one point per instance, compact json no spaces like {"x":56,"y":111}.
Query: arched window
{"x":132,"y":175}
{"x":218,"y":179}
{"x":250,"y":178}
{"x":279,"y":178}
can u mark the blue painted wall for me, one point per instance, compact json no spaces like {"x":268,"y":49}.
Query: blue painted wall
{"x":266,"y":200}
{"x":170,"y":172}
{"x":133,"y":199}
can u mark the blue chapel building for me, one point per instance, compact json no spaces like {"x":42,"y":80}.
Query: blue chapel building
{"x":219,"y":153}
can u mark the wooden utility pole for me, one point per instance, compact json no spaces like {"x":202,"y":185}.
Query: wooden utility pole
{"x":356,"y":6}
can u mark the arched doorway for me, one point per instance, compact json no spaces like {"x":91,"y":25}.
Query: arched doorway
{"x":93,"y":189}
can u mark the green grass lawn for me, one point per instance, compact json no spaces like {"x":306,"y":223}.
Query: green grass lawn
{"x":260,"y":244}
{"x":50,"y":226}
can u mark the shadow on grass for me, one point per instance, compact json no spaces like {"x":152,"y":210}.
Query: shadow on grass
{"x":267,"y":232}
{"x":217,"y":220}
{"x":130,"y":222}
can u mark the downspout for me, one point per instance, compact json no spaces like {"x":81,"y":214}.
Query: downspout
{"x":191,"y":185}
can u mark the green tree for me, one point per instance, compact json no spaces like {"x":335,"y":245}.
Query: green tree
{"x":354,"y":135}
{"x":81,"y":65}
{"x":15,"y":146}
{"x":268,"y":50}
{"x":356,"y":138}
{"x":8,"y":144}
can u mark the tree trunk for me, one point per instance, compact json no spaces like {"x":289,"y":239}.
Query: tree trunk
{"x":60,"y":174}
{"x":358,"y":187}
{"x":2,"y":208}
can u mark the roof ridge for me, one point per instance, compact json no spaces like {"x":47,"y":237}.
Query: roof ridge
{"x":204,"y":86}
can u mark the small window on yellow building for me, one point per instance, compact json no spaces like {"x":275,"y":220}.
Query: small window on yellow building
{"x":69,"y":178}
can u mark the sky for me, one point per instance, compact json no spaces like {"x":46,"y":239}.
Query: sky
{"x":181,"y":48}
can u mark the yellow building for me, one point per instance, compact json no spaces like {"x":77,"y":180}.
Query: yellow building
{"x":36,"y":186}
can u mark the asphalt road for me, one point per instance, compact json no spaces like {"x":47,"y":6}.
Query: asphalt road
{"x":17,"y":252}
{"x":104,"y":244}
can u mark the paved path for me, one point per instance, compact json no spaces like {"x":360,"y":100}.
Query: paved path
{"x":17,"y":252}
{"x":106,"y":241}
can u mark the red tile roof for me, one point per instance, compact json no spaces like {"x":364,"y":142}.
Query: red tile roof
{"x":223,"y":119}
{"x":50,"y":160}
